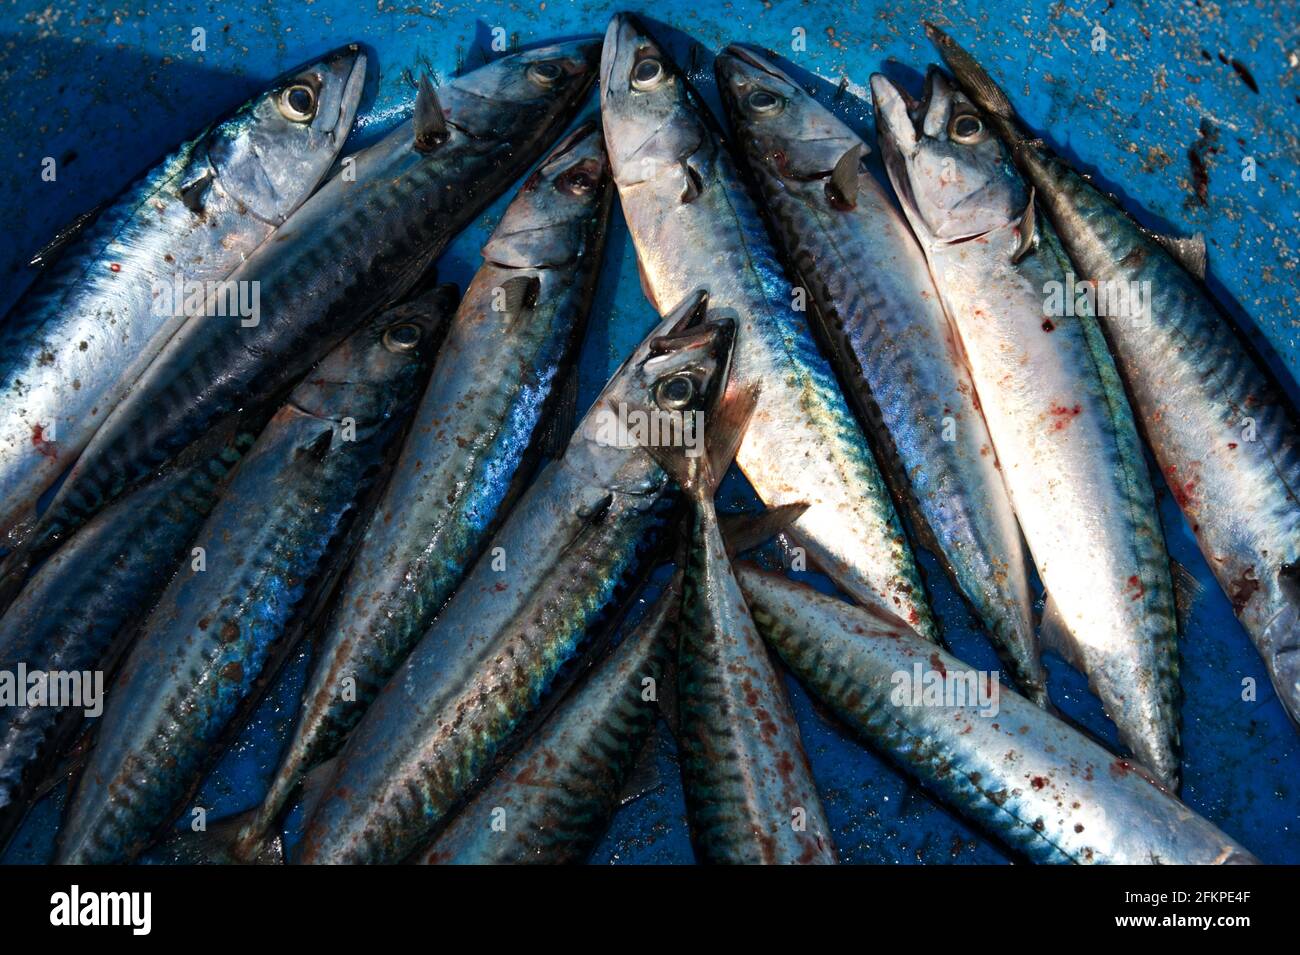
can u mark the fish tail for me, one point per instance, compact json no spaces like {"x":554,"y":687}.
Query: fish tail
{"x":229,"y":841}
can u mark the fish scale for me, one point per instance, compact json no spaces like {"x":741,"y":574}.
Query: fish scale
{"x":355,"y":246}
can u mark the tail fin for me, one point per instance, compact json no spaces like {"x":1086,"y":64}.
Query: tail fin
{"x":221,"y":844}
{"x":988,"y":96}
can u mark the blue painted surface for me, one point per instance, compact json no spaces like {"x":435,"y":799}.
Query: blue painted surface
{"x":106,"y":93}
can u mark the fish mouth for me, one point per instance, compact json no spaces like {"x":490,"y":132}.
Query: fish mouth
{"x":350,"y":97}
{"x":894,"y":126}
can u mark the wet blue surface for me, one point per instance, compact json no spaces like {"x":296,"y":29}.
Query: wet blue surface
{"x":108,"y":92}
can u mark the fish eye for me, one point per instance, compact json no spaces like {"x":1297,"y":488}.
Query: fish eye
{"x":402,"y":338}
{"x":966,"y":128}
{"x":647,"y":74}
{"x":761,"y":101}
{"x":675,"y":393}
{"x":298,"y":102}
{"x":576,"y":182}
{"x":544,"y":74}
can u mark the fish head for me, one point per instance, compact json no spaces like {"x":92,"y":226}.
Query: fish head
{"x":274,"y":151}
{"x":511,"y":98}
{"x":776,"y":122}
{"x":680,"y":367}
{"x":380,"y":368}
{"x":560,"y":205}
{"x":952,"y":175}
{"x":654,"y":124}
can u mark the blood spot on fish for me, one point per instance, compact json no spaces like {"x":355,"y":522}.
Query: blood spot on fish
{"x":1048,"y":326}
{"x":1121,"y":768}
{"x":1063,"y":415}
{"x":1135,"y":585}
{"x":43,"y":447}
{"x":937,"y":663}
{"x":1078,"y":827}
{"x":1232,"y":445}
{"x":1038,"y":782}
{"x":233,"y":671}
{"x":1184,"y":491}
{"x":114,"y":267}
{"x":229,"y":632}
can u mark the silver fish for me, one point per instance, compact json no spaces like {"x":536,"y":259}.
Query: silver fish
{"x":1223,"y":433}
{"x":578,"y":536}
{"x":694,"y":225}
{"x":267,"y":545}
{"x":359,"y":244}
{"x":99,"y":313}
{"x":1039,"y":786}
{"x":498,"y":379}
{"x":750,"y":796}
{"x":555,"y":797}
{"x":891,"y":340}
{"x":1055,"y":407}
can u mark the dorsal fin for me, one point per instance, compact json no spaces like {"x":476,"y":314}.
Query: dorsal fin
{"x":1189,"y":251}
{"x":744,"y":532}
{"x":1028,"y":230}
{"x":64,"y":237}
{"x":430,"y":125}
{"x":843,"y":185}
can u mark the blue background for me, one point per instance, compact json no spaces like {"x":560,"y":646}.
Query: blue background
{"x":107,"y":92}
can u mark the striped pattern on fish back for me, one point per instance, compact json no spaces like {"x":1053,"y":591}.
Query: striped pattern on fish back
{"x":455,"y":495}
{"x":470,"y":722}
{"x":86,"y":599}
{"x":743,"y":765}
{"x":848,"y":684}
{"x":119,"y":224}
{"x":839,"y":438}
{"x":1190,"y":352}
{"x":368,"y":253}
{"x":559,"y":793}
{"x":1133,"y":481}
{"x":276,"y":560}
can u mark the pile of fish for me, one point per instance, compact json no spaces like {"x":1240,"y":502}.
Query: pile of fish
{"x":394,"y":472}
